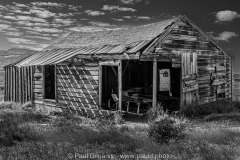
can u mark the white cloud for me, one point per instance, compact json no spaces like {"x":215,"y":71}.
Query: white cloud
{"x":21,"y":41}
{"x":55,"y":35}
{"x":66,"y":22}
{"x":6,"y":22}
{"x":21,"y":12}
{"x":33,"y":32}
{"x":29,"y":18}
{"x":16,"y":34}
{"x":127,"y":17}
{"x":117,"y":8}
{"x":144,"y":17}
{"x":130,"y":1}
{"x":101,"y":24}
{"x":42,"y":13}
{"x":10,"y":17}
{"x":65,"y":14}
{"x":36,"y":47}
{"x":49,"y":4}
{"x":25,"y":23}
{"x":225,"y":36}
{"x":90,"y":28}
{"x":74,"y":8}
{"x":94,"y":13}
{"x":118,"y":19}
{"x":39,"y":37}
{"x":4,"y":26}
{"x":40,"y":29}
{"x":3,"y":7}
{"x":224,"y":16}
{"x":20,"y":5}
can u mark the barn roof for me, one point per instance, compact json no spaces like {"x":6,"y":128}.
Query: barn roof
{"x":113,"y":37}
{"x":110,"y":42}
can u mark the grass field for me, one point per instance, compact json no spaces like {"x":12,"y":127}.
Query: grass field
{"x":35,"y":135}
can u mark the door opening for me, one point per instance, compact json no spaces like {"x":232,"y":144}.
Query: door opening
{"x":109,"y":87}
{"x":49,"y":82}
{"x":169,"y":86}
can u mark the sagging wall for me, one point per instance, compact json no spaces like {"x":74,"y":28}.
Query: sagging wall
{"x":206,"y":70}
{"x":18,"y":84}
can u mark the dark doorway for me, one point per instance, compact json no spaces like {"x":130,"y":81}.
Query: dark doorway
{"x":49,"y":74}
{"x":169,"y":97}
{"x":175,"y":82}
{"x":109,"y":85}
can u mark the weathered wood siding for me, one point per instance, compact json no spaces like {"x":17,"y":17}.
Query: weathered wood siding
{"x":38,"y":85}
{"x":47,"y":105}
{"x":206,"y":70}
{"x":78,"y":86}
{"x":18,"y":84}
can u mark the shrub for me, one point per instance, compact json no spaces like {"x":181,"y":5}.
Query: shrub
{"x":222,"y":117}
{"x":166,"y":128}
{"x":220,"y":106}
{"x":11,"y":130}
{"x":154,"y":112}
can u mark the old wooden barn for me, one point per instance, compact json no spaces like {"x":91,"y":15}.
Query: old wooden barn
{"x":172,"y":62}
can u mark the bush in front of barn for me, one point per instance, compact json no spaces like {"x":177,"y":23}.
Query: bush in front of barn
{"x":220,"y":106}
{"x":164,"y":127}
{"x":13,"y":130}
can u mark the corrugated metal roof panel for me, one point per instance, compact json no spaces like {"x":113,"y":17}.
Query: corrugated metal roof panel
{"x":139,"y":46}
{"x":114,"y":37}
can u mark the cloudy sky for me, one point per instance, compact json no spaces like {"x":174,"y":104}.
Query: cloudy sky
{"x":36,"y":24}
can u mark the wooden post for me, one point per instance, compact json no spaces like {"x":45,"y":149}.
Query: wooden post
{"x":55,"y":81}
{"x":120,"y":85}
{"x":154,"y":103}
{"x":43,"y":82}
{"x":181,"y":82}
{"x":100,"y":87}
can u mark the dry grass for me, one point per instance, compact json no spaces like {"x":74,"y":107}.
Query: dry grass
{"x":65,"y":134}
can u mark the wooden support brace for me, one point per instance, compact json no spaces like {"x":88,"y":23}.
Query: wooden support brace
{"x":154,"y":104}
{"x":120,"y":85}
{"x":100,"y":87}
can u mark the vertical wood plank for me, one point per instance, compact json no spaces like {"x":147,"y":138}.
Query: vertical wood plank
{"x":11,"y":77}
{"x":17,"y":87}
{"x":14,"y":89}
{"x":120,"y":85}
{"x":22,"y":78}
{"x":29,"y":83}
{"x":5,"y":84}
{"x":9,"y":84}
{"x":26,"y":86}
{"x":154,"y":103}
{"x":20,"y":84}
{"x":100,"y":87}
